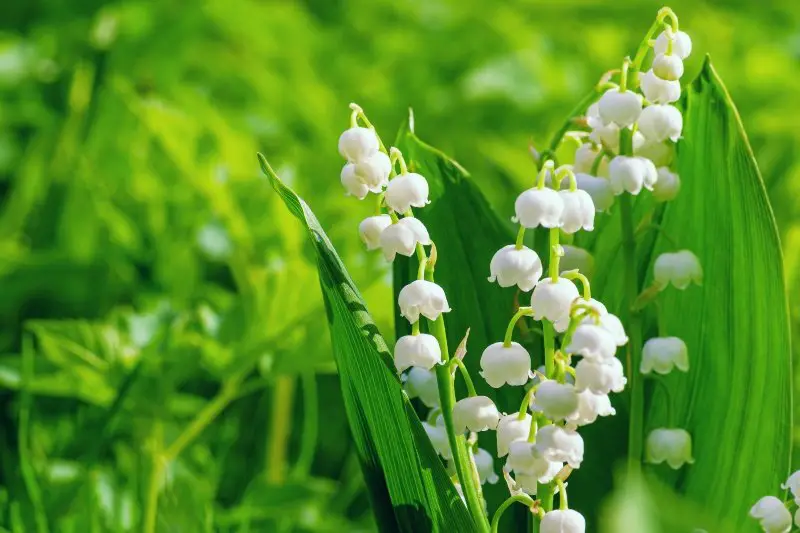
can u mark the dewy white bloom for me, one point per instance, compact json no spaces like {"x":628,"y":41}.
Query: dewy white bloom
{"x":558,"y":444}
{"x":539,"y":207}
{"x":658,"y":91}
{"x":592,"y":342}
{"x":668,"y":67}
{"x":577,"y":259}
{"x":357,"y":143}
{"x":626,"y":174}
{"x":598,"y":188}
{"x":793,"y":484}
{"x":407,"y":191}
{"x":416,"y":350}
{"x":668,"y":185}
{"x":553,"y":299}
{"x":681,"y":45}
{"x":374,"y":171}
{"x":510,"y":266}
{"x":679,"y":268}
{"x":484,"y":463}
{"x":590,"y":406}
{"x":371,"y":228}
{"x":660,"y":122}
{"x":501,"y":364}
{"x":476,"y":413}
{"x":438,"y":435}
{"x":585,"y":156}
{"x":619,"y":107}
{"x":673,"y":446}
{"x":511,"y":429}
{"x":599,"y":377}
{"x":661,"y":153}
{"x":662,"y":354}
{"x":578,"y":211}
{"x":556,"y":400}
{"x":772,"y":514}
{"x":563,"y":521}
{"x":421,"y":297}
{"x":352,"y":183}
{"x":402,"y":237}
{"x":422,"y":384}
{"x":526,"y":460}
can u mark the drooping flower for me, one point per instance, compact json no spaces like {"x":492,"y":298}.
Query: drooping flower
{"x":660,"y":122}
{"x":511,"y":428}
{"x":600,"y":377}
{"x":681,"y":44}
{"x":585,"y":157}
{"x":563,"y":521}
{"x":660,"y":153}
{"x":662,"y":354}
{"x":416,"y":350}
{"x":598,"y":188}
{"x":627,"y":174}
{"x":352,"y":183}
{"x":501,"y":364}
{"x":402,"y":237}
{"x":592,"y":342}
{"x":407,"y":191}
{"x":539,"y":207}
{"x":422,"y":297}
{"x":668,"y":185}
{"x":772,"y":514}
{"x":357,"y":143}
{"x":559,"y":444}
{"x":668,"y":67}
{"x":555,"y":400}
{"x":613,"y":325}
{"x":578,"y":211}
{"x":525,"y":459}
{"x":373,"y":171}
{"x":476,"y":413}
{"x":619,"y":107}
{"x":484,"y":463}
{"x":437,"y":433}
{"x":793,"y":484}
{"x":670,"y":445}
{"x":553,"y":299}
{"x":422,"y":384}
{"x":679,"y":268}
{"x":511,"y":266}
{"x":590,"y":406}
{"x":657,"y":90}
{"x":370,"y":230}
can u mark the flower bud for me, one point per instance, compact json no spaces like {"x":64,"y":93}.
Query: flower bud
{"x":510,"y":266}
{"x":556,"y":400}
{"x":793,"y":484}
{"x":679,"y":268}
{"x":662,"y":354}
{"x":374,"y":171}
{"x":357,"y":143}
{"x":620,"y":107}
{"x":476,"y":413}
{"x":422,"y":297}
{"x":553,"y":299}
{"x":658,"y":91}
{"x":561,"y":445}
{"x":422,"y":384}
{"x":668,"y":67}
{"x":590,"y":406}
{"x":407,"y":191}
{"x":484,"y":463}
{"x":577,"y":259}
{"x":563,"y":521}
{"x":681,"y":44}
{"x":660,"y":122}
{"x":438,"y":435}
{"x":511,"y":428}
{"x":599,"y":377}
{"x":592,"y":342}
{"x":772,"y":514}
{"x":371,"y":228}
{"x":402,"y":237}
{"x":524,"y":459}
{"x":598,"y":188}
{"x":416,"y":350}
{"x":501,"y":364}
{"x":585,"y":156}
{"x":671,"y":445}
{"x":539,"y":207}
{"x":352,"y":183}
{"x":660,"y":153}
{"x":667,"y":186}
{"x":578,"y":211}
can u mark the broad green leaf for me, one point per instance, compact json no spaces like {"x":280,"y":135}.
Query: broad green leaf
{"x":408,"y":486}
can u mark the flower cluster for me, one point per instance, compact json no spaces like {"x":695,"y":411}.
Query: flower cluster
{"x":773,"y":514}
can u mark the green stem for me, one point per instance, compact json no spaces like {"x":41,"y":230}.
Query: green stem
{"x":280,"y":427}
{"x":587,"y":290}
{"x":549,"y":348}
{"x":521,"y":498}
{"x":555,"y":253}
{"x":308,"y":444}
{"x":526,"y":401}
{"x":157,"y":467}
{"x":544,"y":492}
{"x":521,"y":312}
{"x":520,"y":237}
{"x":563,"y":504}
{"x":455,"y":361}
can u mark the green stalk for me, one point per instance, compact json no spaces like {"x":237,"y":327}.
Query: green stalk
{"x":545,"y":495}
{"x":521,"y":498}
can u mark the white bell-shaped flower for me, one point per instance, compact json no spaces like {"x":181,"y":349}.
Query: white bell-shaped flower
{"x":598,"y":188}
{"x":660,"y":153}
{"x":576,"y":258}
{"x":484,"y":463}
{"x":416,"y":350}
{"x":402,"y":237}
{"x":438,"y":435}
{"x":619,"y":107}
{"x":590,"y":406}
{"x":593,"y":116}
{"x":421,"y":297}
{"x":553,"y":299}
{"x":626,"y":174}
{"x":407,"y":191}
{"x":501,"y":364}
{"x":681,"y":44}
{"x":476,"y":413}
{"x":592,"y":342}
{"x":352,"y":183}
{"x":600,"y":377}
{"x":608,"y":136}
{"x":539,"y":207}
{"x":371,"y":228}
{"x":511,"y":266}
{"x":525,"y":459}
{"x":793,"y":485}
{"x":772,"y":514}
{"x":357,"y":143}
{"x":555,"y":400}
{"x":559,"y":444}
{"x":511,"y":428}
{"x":578,"y":211}
{"x":670,"y":445}
{"x":657,"y":90}
{"x":613,"y":325}
{"x":668,"y":185}
{"x":650,"y":173}
{"x":585,"y":156}
{"x":679,"y":268}
{"x":662,"y":354}
{"x":660,"y":122}
{"x":422,"y":384}
{"x":563,"y":521}
{"x":668,"y":67}
{"x":562,"y":325}
{"x":374,"y":171}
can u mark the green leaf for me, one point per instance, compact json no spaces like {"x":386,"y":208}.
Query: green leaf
{"x":408,"y":486}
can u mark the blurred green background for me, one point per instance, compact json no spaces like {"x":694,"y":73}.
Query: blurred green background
{"x":156,"y":299}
